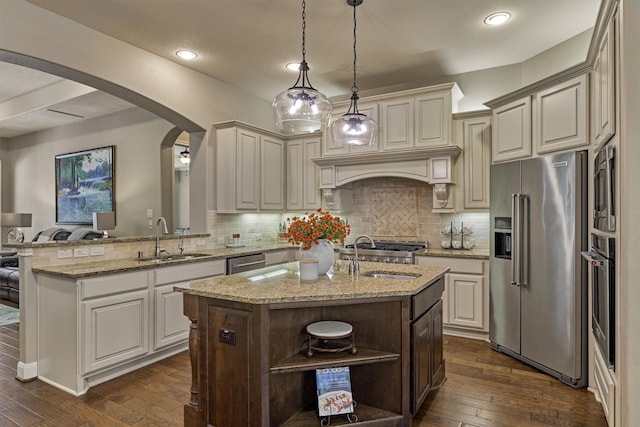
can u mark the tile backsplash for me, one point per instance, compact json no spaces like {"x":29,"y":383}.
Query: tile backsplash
{"x":383,"y":208}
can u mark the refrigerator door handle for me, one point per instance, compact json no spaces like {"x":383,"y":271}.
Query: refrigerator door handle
{"x":517,"y":263}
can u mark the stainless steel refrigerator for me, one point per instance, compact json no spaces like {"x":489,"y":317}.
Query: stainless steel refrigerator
{"x":538,"y":291}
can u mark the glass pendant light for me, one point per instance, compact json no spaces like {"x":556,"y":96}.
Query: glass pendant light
{"x":301,"y":108}
{"x":354,"y":128}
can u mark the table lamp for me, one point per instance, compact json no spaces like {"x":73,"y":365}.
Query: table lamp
{"x":15,"y":221}
{"x":103,"y":221}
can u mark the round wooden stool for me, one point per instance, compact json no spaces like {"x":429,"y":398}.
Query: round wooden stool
{"x":330,"y":336}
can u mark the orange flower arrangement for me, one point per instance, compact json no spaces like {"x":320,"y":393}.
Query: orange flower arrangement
{"x":308,"y":230}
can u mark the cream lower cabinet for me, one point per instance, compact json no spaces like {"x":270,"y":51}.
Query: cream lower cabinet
{"x":93,"y":329}
{"x":115,"y":329}
{"x":279,"y":257}
{"x":171,"y":326}
{"x":466,"y":295}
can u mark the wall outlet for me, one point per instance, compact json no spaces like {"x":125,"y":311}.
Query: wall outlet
{"x":149,"y":213}
{"x":97,"y":250}
{"x":258,"y":236}
{"x":80,"y":252}
{"x":221,"y":240}
{"x":200,"y":242}
{"x":65,"y":253}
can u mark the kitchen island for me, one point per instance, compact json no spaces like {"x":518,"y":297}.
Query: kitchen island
{"x":248,"y":343}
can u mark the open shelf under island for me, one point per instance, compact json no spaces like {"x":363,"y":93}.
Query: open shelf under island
{"x":248,"y":346}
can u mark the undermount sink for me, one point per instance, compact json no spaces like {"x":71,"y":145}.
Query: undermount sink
{"x":166,"y":258}
{"x":390,"y":275}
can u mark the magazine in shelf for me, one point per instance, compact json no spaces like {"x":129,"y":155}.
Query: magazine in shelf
{"x":334,"y":391}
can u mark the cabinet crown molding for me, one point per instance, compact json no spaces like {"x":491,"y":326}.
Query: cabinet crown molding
{"x":389,"y":156}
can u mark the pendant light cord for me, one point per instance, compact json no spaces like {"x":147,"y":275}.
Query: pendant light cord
{"x":304,"y":30}
{"x":354,"y":88}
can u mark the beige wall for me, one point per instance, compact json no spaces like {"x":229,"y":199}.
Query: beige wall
{"x":29,"y":184}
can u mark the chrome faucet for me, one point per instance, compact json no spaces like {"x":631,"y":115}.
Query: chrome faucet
{"x":162,"y":221}
{"x":354,"y":267}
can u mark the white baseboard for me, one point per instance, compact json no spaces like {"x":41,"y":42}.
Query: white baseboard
{"x":27,"y":371}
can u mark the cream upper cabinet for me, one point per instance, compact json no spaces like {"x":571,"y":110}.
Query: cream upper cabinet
{"x":476,"y":141}
{"x":560,"y":116}
{"x":511,"y":136}
{"x":433,"y":118}
{"x":272,"y":173}
{"x":410,"y":119}
{"x":603,"y":86}
{"x":302,"y":173}
{"x":331,"y":149}
{"x":249,"y":169}
{"x":397,"y":123}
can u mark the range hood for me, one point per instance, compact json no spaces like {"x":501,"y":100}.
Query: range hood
{"x":430,"y":165}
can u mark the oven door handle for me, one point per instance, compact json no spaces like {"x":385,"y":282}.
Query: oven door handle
{"x":595,"y":259}
{"x":610,"y":159}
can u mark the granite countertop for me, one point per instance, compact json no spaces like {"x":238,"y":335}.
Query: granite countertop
{"x":281,"y":284}
{"x":99,"y":268}
{"x":455,"y":253}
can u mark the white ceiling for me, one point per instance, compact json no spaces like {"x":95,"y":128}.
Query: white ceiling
{"x":246,"y":43}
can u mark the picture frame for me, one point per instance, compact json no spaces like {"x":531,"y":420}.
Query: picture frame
{"x":84,"y":185}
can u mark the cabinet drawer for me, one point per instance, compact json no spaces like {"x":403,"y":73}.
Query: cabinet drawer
{"x":456,"y":265}
{"x":277,"y":257}
{"x":189,"y":271}
{"x":426,"y":298}
{"x":113,"y":284}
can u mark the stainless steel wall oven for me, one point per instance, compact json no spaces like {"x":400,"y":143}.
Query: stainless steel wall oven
{"x":604,"y":212}
{"x":602,"y":261}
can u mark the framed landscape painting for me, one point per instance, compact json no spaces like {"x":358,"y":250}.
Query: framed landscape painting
{"x":84,"y":184}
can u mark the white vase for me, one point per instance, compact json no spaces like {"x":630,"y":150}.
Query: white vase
{"x":321,"y":252}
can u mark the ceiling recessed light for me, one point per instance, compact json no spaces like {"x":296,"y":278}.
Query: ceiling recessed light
{"x":293,"y":66}
{"x":187,"y":54}
{"x":497,"y":18}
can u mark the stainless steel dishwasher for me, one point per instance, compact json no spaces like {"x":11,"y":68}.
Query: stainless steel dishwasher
{"x":245,"y":263}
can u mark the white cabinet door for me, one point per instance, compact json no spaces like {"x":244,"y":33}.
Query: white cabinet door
{"x":171,"y":325}
{"x":604,"y":85}
{"x":477,"y":161}
{"x":271,"y":174}
{"x":396,"y":127}
{"x":247,"y":167}
{"x":312,"y":148}
{"x":561,"y":116}
{"x":303,"y":185}
{"x":466,"y":300}
{"x":115,"y":329}
{"x":511,"y":136}
{"x":433,"y":119}
{"x":295,"y":175}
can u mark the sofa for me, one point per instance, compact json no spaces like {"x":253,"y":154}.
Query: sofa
{"x":9,"y":279}
{"x":9,"y":272}
{"x":61,"y":234}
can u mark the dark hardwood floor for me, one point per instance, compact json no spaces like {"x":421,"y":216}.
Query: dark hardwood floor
{"x":484,"y":388}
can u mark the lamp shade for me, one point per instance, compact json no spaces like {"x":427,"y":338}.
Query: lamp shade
{"x":301,"y":109}
{"x":104,"y":221}
{"x":15,"y":220}
{"x":354,"y":129}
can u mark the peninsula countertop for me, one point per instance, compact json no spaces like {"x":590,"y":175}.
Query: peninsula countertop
{"x":281,"y":284}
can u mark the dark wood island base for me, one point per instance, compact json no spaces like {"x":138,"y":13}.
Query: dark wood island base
{"x":250,"y":367}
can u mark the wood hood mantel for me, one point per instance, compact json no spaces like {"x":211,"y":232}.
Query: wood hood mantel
{"x":413,"y":164}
